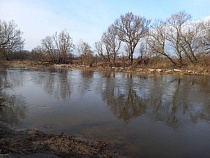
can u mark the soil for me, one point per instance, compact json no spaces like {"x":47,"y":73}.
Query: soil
{"x":34,"y":143}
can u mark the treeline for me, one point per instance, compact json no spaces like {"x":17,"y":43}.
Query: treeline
{"x":178,"y":41}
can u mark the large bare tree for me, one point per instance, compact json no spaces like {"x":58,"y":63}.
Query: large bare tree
{"x":206,"y":36}
{"x":112,"y":43}
{"x":190,"y":41}
{"x":131,"y":29}
{"x":176,"y":25}
{"x":177,"y":37}
{"x":58,"y":47}
{"x":157,"y":40}
{"x":10,"y":38}
{"x":64,"y":45}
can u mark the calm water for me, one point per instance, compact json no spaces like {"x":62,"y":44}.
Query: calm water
{"x":149,"y":116}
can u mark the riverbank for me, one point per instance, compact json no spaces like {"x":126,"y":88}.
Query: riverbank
{"x":47,"y":142}
{"x":34,"y":143}
{"x":192,"y":70}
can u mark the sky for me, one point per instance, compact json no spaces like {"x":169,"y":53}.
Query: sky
{"x":86,"y":20}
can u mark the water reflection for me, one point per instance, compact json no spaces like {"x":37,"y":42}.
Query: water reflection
{"x":152,"y":115}
{"x":171,"y":99}
{"x":3,"y":80}
{"x":174,"y":100}
{"x":12,"y":110}
{"x":85,"y":81}
{"x":55,"y":82}
{"x":12,"y":107}
{"x":123,"y":101}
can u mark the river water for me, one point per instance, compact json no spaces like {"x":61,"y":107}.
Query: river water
{"x":149,"y":116}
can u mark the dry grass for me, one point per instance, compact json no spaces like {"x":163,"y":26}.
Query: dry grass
{"x":158,"y":66}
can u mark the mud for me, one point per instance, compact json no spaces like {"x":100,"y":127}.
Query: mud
{"x":34,"y":143}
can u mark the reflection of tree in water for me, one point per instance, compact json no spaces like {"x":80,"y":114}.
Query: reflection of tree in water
{"x":171,"y":99}
{"x":63,"y":86}
{"x":85,"y":80}
{"x":4,"y":83}
{"x":175,"y":102}
{"x":87,"y":74}
{"x":123,"y":101}
{"x":12,"y":108}
{"x":55,"y":82}
{"x":160,"y":101}
{"x":17,"y":77}
{"x":59,"y":82}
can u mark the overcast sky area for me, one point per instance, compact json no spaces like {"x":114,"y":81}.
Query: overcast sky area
{"x":87,"y":19}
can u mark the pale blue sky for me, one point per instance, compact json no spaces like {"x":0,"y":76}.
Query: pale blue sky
{"x":87,"y":19}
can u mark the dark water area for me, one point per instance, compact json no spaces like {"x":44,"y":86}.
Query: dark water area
{"x":149,"y":116}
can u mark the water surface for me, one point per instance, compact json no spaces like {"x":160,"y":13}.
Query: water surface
{"x":150,"y":116}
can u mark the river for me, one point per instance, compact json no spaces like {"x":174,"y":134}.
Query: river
{"x":149,"y":116}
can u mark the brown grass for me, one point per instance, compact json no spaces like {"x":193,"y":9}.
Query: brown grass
{"x":160,"y":67}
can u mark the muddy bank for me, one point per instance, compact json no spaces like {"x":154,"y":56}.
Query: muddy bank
{"x":34,"y":143}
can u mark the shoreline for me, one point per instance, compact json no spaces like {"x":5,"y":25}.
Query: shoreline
{"x":33,"y":143}
{"x":131,"y":69}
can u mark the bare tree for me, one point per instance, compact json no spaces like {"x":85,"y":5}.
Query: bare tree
{"x":144,"y":54}
{"x":37,"y":54}
{"x":130,"y":29}
{"x":64,"y":45}
{"x":99,"y":46}
{"x":112,"y":43}
{"x":85,"y":52}
{"x":157,"y":40}
{"x":83,"y":47}
{"x":10,"y":38}
{"x":58,"y":47}
{"x":128,"y":52}
{"x":176,"y":34}
{"x":49,"y":48}
{"x":190,"y":41}
{"x":176,"y":24}
{"x":205,"y":41}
